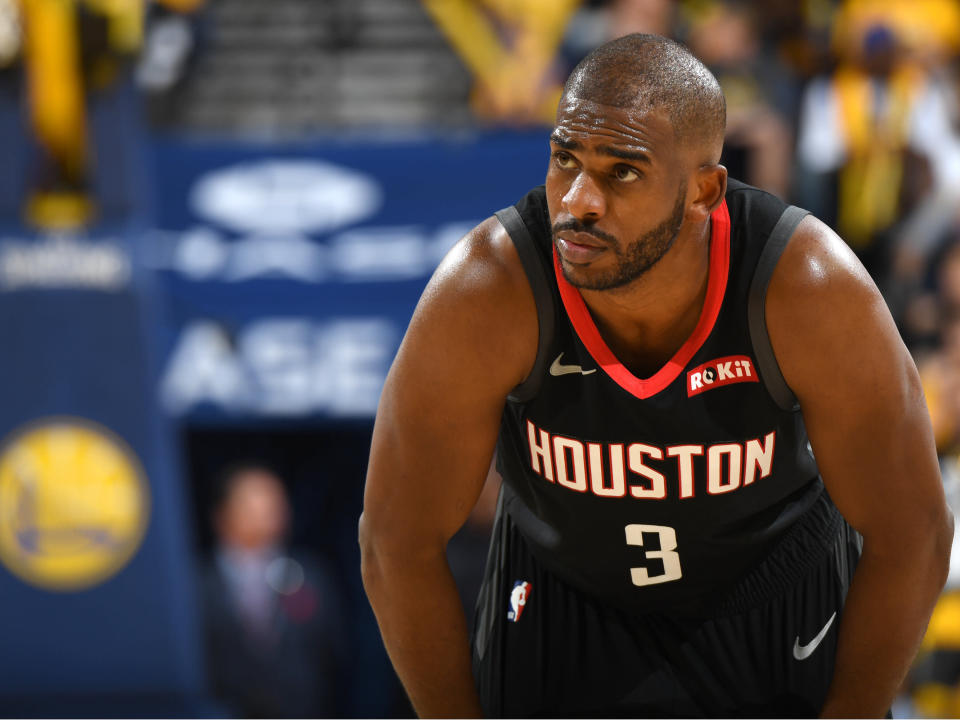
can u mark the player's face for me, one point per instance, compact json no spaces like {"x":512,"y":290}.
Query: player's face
{"x":615,"y":193}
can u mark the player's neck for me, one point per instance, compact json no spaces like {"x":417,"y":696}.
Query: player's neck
{"x":647,"y":321}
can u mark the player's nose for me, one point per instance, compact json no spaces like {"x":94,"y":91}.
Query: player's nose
{"x":584,"y":200}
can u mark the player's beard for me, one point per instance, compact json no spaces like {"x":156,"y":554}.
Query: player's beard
{"x":634,"y":259}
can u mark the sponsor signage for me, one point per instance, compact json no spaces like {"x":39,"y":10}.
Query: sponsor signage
{"x":290,"y":273}
{"x":63,"y":262}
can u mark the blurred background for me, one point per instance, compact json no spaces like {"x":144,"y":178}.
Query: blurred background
{"x":216,"y":218}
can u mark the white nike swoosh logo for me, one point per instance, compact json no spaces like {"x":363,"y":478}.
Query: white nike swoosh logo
{"x":802,"y":652}
{"x":557,"y":369}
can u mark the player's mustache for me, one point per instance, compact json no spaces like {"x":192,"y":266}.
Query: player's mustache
{"x":580,"y":227}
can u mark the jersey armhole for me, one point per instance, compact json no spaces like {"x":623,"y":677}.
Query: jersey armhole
{"x":767,"y":363}
{"x":542,"y":296}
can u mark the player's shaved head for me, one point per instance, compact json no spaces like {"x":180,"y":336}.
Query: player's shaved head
{"x":647,"y":72}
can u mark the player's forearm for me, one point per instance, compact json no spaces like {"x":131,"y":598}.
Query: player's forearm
{"x":885,"y":616}
{"x":424,"y":630}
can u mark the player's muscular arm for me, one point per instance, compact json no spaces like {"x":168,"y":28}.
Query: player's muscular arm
{"x":861,"y":401}
{"x":473,"y":338}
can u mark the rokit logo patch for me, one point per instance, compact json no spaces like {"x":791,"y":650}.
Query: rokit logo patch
{"x":720,"y":372}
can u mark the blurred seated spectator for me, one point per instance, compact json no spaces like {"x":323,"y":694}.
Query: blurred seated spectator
{"x":939,"y":311}
{"x":511,"y":50}
{"x":175,"y":33}
{"x":75,"y":56}
{"x":640,"y":16}
{"x":928,"y":29}
{"x":940,"y":375}
{"x":759,"y":90}
{"x":933,"y":685}
{"x":597,"y":21}
{"x":10,"y":32}
{"x":272,"y":614}
{"x":876,"y":136}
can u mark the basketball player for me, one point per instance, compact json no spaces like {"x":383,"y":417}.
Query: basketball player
{"x":695,"y":390}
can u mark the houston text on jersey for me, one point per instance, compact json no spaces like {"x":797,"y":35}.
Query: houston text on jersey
{"x":612,"y":470}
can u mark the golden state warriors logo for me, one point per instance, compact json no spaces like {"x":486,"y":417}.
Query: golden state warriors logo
{"x":73,"y":504}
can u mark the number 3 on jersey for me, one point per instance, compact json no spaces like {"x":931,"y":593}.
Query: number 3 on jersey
{"x":666,"y":554}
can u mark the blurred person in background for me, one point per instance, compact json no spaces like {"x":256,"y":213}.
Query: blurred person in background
{"x":272,"y":614}
{"x":175,"y":35}
{"x":597,"y":21}
{"x":76,"y":57}
{"x":933,"y":688}
{"x":940,"y":373}
{"x":876,"y":136}
{"x":933,"y":685}
{"x":510,"y":48}
{"x":758,"y":88}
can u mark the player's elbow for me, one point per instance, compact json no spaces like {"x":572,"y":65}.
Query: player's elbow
{"x":933,"y":554}
{"x":943,"y":545}
{"x":370,"y":570}
{"x":390,"y":550}
{"x":915,"y":544}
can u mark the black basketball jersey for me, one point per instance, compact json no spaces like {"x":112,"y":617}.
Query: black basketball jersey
{"x":654,"y":493}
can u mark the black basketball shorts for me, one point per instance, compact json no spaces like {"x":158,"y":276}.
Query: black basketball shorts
{"x":542,"y":648}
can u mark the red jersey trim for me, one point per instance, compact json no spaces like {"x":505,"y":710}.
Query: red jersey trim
{"x":586,"y":329}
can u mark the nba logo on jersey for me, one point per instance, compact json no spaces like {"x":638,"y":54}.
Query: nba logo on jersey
{"x":518,"y":599}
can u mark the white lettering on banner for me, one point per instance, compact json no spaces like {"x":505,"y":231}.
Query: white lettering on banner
{"x":371,"y":253}
{"x":277,"y":195}
{"x":279,"y":354}
{"x":387,"y":253}
{"x":291,"y":257}
{"x":204,"y":368}
{"x":200,"y":254}
{"x":61,"y":261}
{"x":281,"y":367}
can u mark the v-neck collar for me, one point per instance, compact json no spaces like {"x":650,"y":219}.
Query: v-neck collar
{"x":587,"y":330}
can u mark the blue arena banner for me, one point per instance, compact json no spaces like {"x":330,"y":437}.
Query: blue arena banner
{"x":289,"y":273}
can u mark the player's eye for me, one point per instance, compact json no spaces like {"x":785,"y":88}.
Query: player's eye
{"x":625,"y":173}
{"x":564,"y":160}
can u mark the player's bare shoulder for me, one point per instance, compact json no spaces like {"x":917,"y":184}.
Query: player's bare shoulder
{"x":480,"y":301}
{"x":483,"y":262}
{"x":824,"y":311}
{"x":817,"y":263}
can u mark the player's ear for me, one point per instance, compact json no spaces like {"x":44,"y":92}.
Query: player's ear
{"x":710,"y":185}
